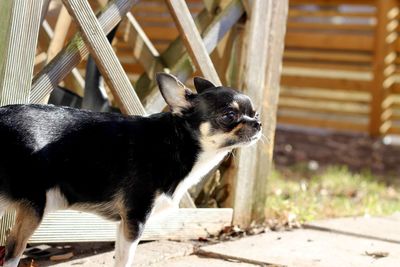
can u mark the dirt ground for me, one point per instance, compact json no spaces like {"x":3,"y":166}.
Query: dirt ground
{"x":319,"y":148}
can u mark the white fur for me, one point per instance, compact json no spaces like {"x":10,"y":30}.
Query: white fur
{"x":12,"y":262}
{"x":55,"y":200}
{"x":124,"y":249}
{"x":205,"y":162}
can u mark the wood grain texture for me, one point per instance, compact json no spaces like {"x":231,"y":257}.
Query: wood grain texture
{"x":213,"y":33}
{"x":54,"y":72}
{"x":262,"y":68}
{"x":104,"y":56}
{"x":19,"y":34}
{"x":387,"y":11}
{"x":192,"y":39}
{"x":73,"y":226}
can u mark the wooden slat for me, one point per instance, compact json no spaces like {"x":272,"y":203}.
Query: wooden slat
{"x":104,"y":56}
{"x":192,"y":39}
{"x":143,"y":50}
{"x":336,"y":56}
{"x":327,"y":65}
{"x":356,"y":42}
{"x":332,"y":2}
{"x":325,"y":82}
{"x":181,"y":66}
{"x":328,"y":13}
{"x":329,"y":26}
{"x":182,"y":224}
{"x":333,"y":107}
{"x":323,"y":123}
{"x":20,"y":22}
{"x":383,"y":47}
{"x":261,"y":77}
{"x":74,"y":52}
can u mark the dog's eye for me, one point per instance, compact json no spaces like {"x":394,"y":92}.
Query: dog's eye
{"x":229,"y":117}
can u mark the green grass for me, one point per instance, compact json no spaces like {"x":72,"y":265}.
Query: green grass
{"x":304,"y":195}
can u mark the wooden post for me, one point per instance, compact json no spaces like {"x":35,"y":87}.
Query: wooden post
{"x":45,"y":81}
{"x":192,"y":39}
{"x":20,"y":22}
{"x":261,"y":76}
{"x":104,"y":56}
{"x":384,"y":60}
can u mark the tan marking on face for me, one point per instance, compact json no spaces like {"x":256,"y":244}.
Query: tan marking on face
{"x":235,"y":105}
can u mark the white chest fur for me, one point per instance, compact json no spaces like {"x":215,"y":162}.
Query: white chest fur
{"x":204,"y":164}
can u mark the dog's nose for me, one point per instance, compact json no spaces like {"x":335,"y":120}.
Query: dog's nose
{"x":257,"y":125}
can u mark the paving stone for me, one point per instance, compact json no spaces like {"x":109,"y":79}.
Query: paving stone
{"x":146,"y":254}
{"x":309,"y":248}
{"x":386,"y":229}
{"x":195,"y":261}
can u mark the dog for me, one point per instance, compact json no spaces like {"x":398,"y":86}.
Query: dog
{"x":115,"y":165}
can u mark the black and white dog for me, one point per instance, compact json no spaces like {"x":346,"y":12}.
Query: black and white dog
{"x":114,"y":165}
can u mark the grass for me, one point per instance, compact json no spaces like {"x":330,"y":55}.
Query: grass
{"x":303,"y":195}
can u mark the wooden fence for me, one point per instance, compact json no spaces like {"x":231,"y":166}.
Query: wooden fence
{"x":341,"y":66}
{"x":244,"y":38}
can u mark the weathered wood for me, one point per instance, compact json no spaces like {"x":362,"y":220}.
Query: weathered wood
{"x":73,"y":226}
{"x":104,"y":56}
{"x":20,"y":22}
{"x":263,"y":56}
{"x":45,"y":81}
{"x":387,"y":11}
{"x":143,"y":50}
{"x":213,"y":33}
{"x":193,"y":40}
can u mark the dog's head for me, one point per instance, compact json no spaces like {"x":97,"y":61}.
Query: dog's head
{"x":221,"y":117}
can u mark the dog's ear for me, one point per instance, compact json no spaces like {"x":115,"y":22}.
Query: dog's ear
{"x":202,"y":84}
{"x":175,"y":93}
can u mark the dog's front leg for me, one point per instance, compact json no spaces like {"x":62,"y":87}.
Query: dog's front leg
{"x":128,"y":237}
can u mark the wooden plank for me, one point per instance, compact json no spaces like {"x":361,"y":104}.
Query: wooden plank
{"x":104,"y":56}
{"x":143,"y":50}
{"x":181,"y":66}
{"x":327,"y":65}
{"x":328,"y":13}
{"x":323,"y":123}
{"x":298,"y":25}
{"x":305,"y":39}
{"x":332,"y":2}
{"x":192,"y":39}
{"x":44,"y":82}
{"x":327,"y":106}
{"x":383,"y":47}
{"x":20,"y":22}
{"x":180,"y":224}
{"x":325,"y":82}
{"x":261,"y":77}
{"x":336,"y":56}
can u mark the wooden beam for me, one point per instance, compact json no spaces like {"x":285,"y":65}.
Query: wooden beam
{"x":261,"y":75}
{"x":104,"y":56}
{"x":192,"y":39}
{"x":180,"y":224}
{"x":142,"y":48}
{"x":20,"y":22}
{"x":387,"y":11}
{"x":182,"y":67}
{"x":54,"y":72}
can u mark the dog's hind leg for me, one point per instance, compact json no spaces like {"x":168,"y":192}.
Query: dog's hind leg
{"x":27,"y":220}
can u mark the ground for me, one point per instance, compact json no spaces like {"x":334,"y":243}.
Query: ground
{"x":367,"y":242}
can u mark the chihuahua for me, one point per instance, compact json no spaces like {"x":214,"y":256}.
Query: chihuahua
{"x":115,"y":165}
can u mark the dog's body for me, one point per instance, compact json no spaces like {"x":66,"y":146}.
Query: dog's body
{"x":114,"y":165}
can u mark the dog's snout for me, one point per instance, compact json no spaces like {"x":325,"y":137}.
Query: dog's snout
{"x":257,"y":125}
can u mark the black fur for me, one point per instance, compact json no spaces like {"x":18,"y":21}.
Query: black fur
{"x":94,"y":156}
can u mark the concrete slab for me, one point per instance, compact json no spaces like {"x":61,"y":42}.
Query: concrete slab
{"x":195,"y":261}
{"x":385,"y":229}
{"x":146,"y":255}
{"x":309,"y":248}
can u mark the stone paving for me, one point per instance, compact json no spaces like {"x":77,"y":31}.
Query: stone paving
{"x":344,"y":242}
